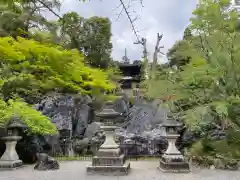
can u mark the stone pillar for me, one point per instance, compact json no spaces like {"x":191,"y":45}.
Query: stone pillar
{"x":10,"y":152}
{"x":172,"y":159}
{"x":108,"y":159}
{"x":109,"y":146}
{"x":10,"y":159}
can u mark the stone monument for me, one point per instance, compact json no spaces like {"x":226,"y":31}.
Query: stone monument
{"x":172,"y":159}
{"x":10,"y":159}
{"x":108,"y":159}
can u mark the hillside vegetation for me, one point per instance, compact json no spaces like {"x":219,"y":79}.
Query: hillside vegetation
{"x":201,"y":81}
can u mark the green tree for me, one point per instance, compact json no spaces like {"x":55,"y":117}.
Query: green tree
{"x":205,"y":91}
{"x":92,"y":36}
{"x":98,"y":44}
{"x":177,"y":55}
{"x":72,"y":30}
{"x":29,"y":70}
{"x":187,"y":35}
{"x":24,"y":15}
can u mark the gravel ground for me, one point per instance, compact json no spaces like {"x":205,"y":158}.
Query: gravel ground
{"x":141,"y":170}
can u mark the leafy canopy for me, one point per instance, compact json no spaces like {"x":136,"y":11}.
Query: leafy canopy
{"x":204,"y":91}
{"x":36,"y":122}
{"x":30,"y":69}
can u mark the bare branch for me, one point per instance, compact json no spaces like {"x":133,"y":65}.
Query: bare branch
{"x":159,"y":49}
{"x":159,"y":38}
{"x":155,"y":55}
{"x":119,"y":15}
{"x":130,"y":19}
{"x":135,"y":19}
{"x":49,"y":8}
{"x":117,"y":7}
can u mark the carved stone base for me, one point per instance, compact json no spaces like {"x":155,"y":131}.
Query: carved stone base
{"x":10,"y":165}
{"x":108,"y":161}
{"x":109,"y":165}
{"x":175,"y":165}
{"x":117,"y":170}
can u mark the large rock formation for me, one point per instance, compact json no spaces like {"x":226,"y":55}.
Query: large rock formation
{"x":67,"y":112}
{"x":142,"y":133}
{"x":72,"y":115}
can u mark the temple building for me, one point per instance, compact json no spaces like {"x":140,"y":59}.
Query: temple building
{"x":131,"y":72}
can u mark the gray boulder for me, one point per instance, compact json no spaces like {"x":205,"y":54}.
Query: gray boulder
{"x":71,"y":114}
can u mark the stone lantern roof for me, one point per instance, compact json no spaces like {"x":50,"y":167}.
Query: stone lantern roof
{"x":108,"y":111}
{"x":15,"y":122}
{"x":171,"y":122}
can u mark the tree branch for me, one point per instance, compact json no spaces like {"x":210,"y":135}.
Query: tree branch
{"x":129,"y":18}
{"x":48,"y":8}
{"x":155,"y":54}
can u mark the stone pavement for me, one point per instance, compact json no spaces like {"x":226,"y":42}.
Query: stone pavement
{"x":141,"y":170}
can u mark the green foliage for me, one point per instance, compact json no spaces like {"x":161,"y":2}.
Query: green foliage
{"x":114,"y":73}
{"x":97,"y":42}
{"x":229,"y":147}
{"x":30,"y":69}
{"x":177,"y":55}
{"x":37,"y":123}
{"x":92,"y":35}
{"x":24,"y":16}
{"x":47,"y":68}
{"x":204,"y":88}
{"x":35,"y":62}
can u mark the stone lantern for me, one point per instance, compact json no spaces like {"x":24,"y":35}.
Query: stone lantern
{"x":108,"y":116}
{"x":172,"y":159}
{"x":108,"y":159}
{"x":10,"y":159}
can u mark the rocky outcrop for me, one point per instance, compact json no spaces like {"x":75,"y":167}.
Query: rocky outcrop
{"x":141,"y":133}
{"x":72,"y":115}
{"x":67,"y":112}
{"x":91,"y":141}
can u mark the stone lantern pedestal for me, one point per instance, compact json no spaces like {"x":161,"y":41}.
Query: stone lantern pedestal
{"x":108,"y":159}
{"x":172,"y":159}
{"x":10,"y":159}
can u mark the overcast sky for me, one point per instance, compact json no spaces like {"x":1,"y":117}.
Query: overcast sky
{"x":169,"y":17}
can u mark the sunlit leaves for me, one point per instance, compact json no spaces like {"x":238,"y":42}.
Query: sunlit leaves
{"x":30,"y":69}
{"x":36,"y":122}
{"x":45,"y":62}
